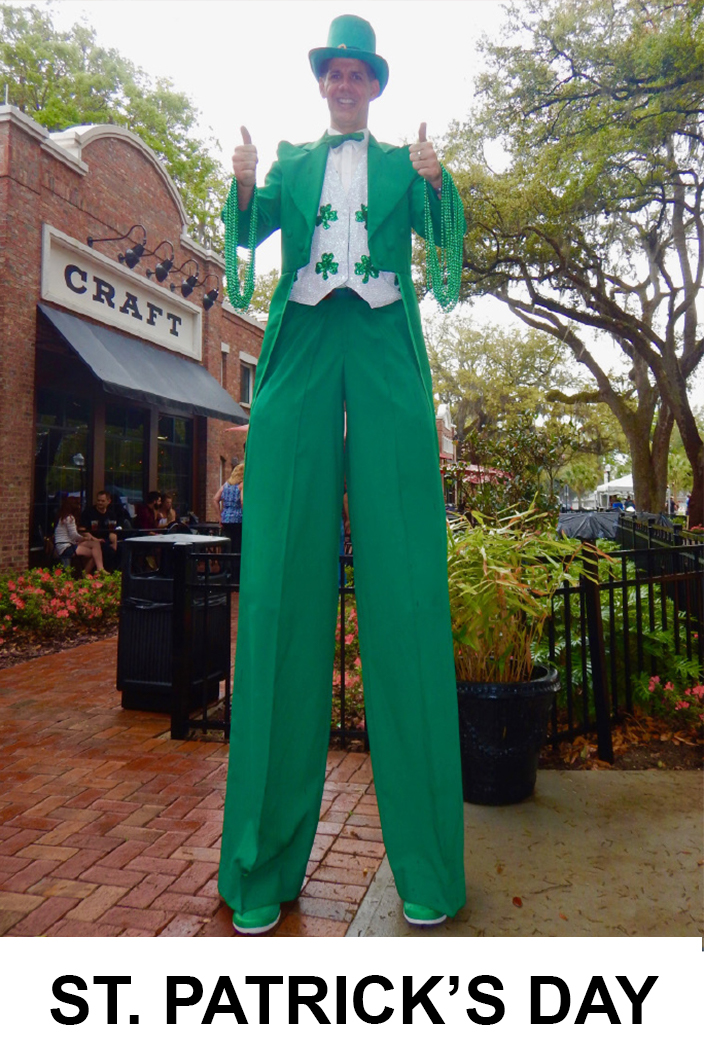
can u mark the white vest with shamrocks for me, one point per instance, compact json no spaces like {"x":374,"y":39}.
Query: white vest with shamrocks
{"x":339,"y":255}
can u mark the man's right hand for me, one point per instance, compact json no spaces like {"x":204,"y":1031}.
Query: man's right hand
{"x":244,"y":167}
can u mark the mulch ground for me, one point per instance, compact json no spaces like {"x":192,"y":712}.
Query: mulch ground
{"x":33,"y":646}
{"x":639,"y":742}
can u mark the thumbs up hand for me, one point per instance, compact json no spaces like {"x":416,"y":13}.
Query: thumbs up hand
{"x":424,"y":160}
{"x":244,"y":161}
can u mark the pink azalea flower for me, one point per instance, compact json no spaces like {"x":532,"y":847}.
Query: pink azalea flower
{"x":669,"y":687}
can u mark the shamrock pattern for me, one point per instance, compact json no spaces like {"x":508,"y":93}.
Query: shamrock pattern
{"x":366,"y":269}
{"x":361,"y":214}
{"x":327,"y":265}
{"x":326,"y":216}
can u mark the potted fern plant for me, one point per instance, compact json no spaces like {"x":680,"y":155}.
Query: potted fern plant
{"x":503,"y":575}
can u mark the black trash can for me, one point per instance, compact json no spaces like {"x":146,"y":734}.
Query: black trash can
{"x":174,"y":643}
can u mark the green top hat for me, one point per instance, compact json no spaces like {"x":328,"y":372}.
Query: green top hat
{"x":351,"y":37}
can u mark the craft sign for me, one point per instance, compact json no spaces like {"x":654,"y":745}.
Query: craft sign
{"x":84,"y":280}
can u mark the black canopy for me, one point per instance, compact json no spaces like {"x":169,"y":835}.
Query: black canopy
{"x":136,"y":370}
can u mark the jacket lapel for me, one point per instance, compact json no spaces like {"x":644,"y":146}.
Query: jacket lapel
{"x":389,"y":174}
{"x":308,"y":170}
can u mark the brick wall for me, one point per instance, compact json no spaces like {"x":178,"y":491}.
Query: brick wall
{"x":99,"y":188}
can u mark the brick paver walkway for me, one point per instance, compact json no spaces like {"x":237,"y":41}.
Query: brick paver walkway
{"x":109,"y":827}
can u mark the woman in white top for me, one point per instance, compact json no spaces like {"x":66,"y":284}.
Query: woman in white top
{"x":69,"y":541}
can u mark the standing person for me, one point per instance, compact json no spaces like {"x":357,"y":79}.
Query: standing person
{"x":229,"y":500}
{"x":343,"y":337}
{"x":69,"y":541}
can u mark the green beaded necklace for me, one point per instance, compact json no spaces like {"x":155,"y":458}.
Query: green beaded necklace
{"x":239,"y":299}
{"x":444,"y":277}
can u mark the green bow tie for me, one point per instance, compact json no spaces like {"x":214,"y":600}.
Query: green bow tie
{"x":335,"y":141}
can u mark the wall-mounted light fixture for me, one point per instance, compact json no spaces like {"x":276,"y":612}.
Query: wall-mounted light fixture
{"x":211,"y":296}
{"x":165,"y":265}
{"x":191,"y":279}
{"x":130,"y":257}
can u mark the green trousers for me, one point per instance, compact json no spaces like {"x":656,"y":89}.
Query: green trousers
{"x":341,"y":356}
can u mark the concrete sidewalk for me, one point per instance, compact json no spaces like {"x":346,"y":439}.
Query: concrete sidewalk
{"x":591,"y":853}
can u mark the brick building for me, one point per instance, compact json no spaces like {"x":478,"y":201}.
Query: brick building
{"x":108,"y":377}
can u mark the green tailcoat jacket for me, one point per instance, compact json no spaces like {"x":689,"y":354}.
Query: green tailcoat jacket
{"x":290,"y":199}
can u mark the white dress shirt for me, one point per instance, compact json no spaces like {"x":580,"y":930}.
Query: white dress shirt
{"x":348,"y":155}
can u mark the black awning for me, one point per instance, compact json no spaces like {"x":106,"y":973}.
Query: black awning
{"x":136,"y":370}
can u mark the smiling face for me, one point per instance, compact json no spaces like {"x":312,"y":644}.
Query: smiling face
{"x":349,"y":88}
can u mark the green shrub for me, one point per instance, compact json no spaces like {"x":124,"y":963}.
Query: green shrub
{"x":47,"y":603}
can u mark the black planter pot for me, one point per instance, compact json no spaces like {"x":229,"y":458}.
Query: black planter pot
{"x":502,"y":728}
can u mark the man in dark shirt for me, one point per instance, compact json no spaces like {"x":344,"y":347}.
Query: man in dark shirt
{"x":147,"y":513}
{"x":99,"y":520}
{"x":96,"y":516}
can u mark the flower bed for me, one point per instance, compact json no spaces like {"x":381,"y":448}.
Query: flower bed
{"x":52,"y":603}
{"x":354,"y":689}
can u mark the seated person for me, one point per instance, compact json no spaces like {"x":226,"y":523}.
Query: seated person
{"x":69,"y":542}
{"x":167,"y":513}
{"x":119,"y":513}
{"x":148,"y":512}
{"x":96,"y":516}
{"x":100,"y":519}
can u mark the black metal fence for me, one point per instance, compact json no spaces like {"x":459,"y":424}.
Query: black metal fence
{"x":647,"y":607}
{"x":643,"y":605}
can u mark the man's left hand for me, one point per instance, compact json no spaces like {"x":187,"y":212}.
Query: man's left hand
{"x":424,"y":160}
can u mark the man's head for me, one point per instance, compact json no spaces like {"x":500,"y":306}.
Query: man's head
{"x":348,"y":61}
{"x":102,"y":501}
{"x":348,"y":86}
{"x":153,"y":499}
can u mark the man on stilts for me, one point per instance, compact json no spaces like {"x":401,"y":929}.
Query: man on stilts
{"x":344,"y":341}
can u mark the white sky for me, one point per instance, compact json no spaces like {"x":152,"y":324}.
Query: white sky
{"x":245,"y":62}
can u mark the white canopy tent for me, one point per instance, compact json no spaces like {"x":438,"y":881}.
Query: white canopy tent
{"x":617,"y":487}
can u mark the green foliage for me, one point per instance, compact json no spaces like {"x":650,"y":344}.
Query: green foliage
{"x":593,"y":226}
{"x":530,"y":454}
{"x":661,"y":654}
{"x":66,"y":78}
{"x":53,"y":602}
{"x":503,"y":575}
{"x":497,"y":383}
{"x":263,"y":293}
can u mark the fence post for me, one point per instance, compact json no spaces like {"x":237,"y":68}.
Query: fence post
{"x":595,"y":627}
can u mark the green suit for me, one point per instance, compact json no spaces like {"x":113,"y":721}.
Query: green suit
{"x":317,"y":364}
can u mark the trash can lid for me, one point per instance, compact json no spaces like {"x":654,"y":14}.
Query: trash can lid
{"x":178,"y":539}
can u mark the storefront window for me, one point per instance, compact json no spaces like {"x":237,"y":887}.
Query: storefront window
{"x":245,"y":384}
{"x":175,"y":461}
{"x":125,"y":441}
{"x":60,"y":454}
